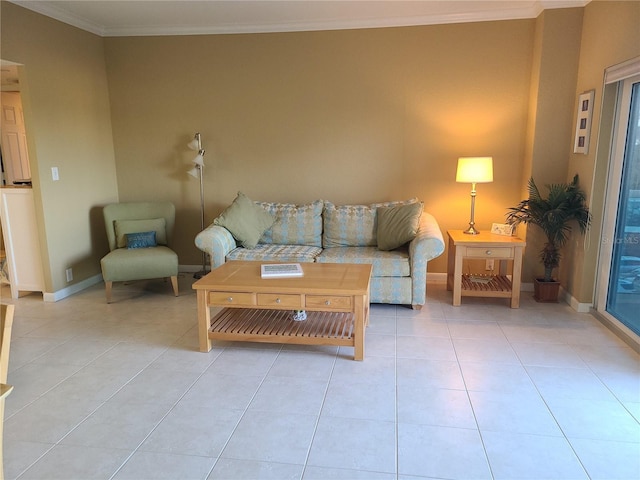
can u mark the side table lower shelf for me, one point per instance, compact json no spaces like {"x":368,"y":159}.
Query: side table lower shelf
{"x":496,"y":286}
{"x":276,"y":326}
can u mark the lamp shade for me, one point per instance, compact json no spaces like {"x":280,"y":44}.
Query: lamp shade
{"x":195,"y":143}
{"x":199,"y":160}
{"x":475,"y":170}
{"x":194,"y":172}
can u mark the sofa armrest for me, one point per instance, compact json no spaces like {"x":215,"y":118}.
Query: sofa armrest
{"x":216,"y":241}
{"x":427,"y":245}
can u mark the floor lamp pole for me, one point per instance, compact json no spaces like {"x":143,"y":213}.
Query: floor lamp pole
{"x":204,"y":270}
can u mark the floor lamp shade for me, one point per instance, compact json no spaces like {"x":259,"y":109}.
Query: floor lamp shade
{"x":474,"y":170}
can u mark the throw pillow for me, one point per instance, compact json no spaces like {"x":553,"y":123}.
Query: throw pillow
{"x":157,"y":225}
{"x":141,"y":239}
{"x":245,"y":220}
{"x":398,"y":225}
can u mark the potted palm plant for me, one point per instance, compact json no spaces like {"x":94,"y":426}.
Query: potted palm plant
{"x":564,"y":205}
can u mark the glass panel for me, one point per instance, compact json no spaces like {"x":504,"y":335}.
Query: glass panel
{"x":623,"y":301}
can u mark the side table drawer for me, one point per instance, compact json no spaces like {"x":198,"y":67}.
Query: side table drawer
{"x":328,"y":302}
{"x":232,"y":298}
{"x":489,"y":252}
{"x":275,"y":300}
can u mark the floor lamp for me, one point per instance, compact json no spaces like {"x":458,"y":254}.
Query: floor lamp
{"x":198,"y":172}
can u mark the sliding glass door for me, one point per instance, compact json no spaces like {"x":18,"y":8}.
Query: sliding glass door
{"x":620,"y":295}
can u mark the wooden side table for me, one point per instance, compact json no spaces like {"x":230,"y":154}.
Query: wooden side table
{"x":484,"y":246}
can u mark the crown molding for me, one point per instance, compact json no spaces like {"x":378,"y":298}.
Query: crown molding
{"x":515,"y":11}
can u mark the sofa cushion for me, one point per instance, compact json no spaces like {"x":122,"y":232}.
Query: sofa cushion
{"x":245,"y":220}
{"x":123,"y":227}
{"x":394,"y":263}
{"x":278,"y":253}
{"x":294,"y":224}
{"x":353,"y":225}
{"x":398,"y":225}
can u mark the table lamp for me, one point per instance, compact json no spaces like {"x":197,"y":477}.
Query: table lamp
{"x":474,"y":170}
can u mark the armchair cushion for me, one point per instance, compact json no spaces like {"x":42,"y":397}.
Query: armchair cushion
{"x":398,"y":225}
{"x":245,"y":220}
{"x":124,"y":264}
{"x":123,"y":227}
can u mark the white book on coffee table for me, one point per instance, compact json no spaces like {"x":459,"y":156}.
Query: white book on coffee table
{"x":281,"y":270}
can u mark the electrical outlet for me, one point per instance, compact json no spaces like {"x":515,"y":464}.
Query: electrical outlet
{"x":69,"y":272}
{"x":55,"y":176}
{"x":489,"y":264}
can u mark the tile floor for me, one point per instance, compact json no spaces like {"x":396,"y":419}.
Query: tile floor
{"x":479,"y":391}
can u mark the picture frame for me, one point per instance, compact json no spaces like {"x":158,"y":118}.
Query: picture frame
{"x":583,"y":122}
{"x":502,"y":229}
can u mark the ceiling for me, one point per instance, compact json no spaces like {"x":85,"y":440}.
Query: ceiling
{"x":109,"y":18}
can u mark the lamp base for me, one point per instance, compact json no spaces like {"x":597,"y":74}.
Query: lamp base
{"x":471,"y":230}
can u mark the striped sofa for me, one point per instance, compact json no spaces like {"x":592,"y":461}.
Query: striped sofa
{"x":323,"y":232}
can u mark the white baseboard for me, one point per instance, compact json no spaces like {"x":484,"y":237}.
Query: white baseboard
{"x":70,"y":290}
{"x":579,"y":307}
{"x":436,"y":278}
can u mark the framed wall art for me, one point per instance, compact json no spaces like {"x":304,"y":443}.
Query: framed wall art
{"x":583,"y":122}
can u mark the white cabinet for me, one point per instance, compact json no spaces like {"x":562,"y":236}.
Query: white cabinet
{"x":21,"y":242}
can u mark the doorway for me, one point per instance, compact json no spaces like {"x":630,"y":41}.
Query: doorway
{"x":14,"y":155}
{"x":619,"y":290}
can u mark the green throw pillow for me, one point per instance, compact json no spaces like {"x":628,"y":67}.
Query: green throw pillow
{"x":398,"y":225}
{"x":245,"y":220}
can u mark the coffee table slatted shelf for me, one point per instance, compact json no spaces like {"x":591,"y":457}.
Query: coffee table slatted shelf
{"x":258,"y":325}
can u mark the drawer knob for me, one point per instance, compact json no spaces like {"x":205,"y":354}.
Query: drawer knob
{"x":278,"y":300}
{"x":327,"y":302}
{"x":489,"y":252}
{"x":230,"y":299}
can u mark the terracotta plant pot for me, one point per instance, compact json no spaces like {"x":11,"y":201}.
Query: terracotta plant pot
{"x":546,"y":291}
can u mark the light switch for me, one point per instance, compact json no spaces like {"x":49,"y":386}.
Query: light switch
{"x":54,"y":174}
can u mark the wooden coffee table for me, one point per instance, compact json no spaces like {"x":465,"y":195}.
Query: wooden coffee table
{"x":335,"y":296}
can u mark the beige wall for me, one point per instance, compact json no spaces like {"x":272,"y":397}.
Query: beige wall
{"x":347,"y":116}
{"x":66,"y":104}
{"x":610,"y":36}
{"x":549,"y":133}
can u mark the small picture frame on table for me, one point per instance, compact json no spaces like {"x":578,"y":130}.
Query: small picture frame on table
{"x":502,"y":229}
{"x":583,"y":122}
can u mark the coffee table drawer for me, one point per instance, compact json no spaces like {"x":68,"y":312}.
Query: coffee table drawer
{"x":232,"y":298}
{"x":275,"y":300}
{"x":328,"y":301}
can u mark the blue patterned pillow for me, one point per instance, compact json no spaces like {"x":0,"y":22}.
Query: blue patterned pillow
{"x":141,"y":239}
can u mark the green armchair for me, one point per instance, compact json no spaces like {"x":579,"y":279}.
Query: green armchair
{"x":139,"y":235}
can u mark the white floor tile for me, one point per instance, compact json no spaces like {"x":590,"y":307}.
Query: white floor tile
{"x":182,"y":432}
{"x":521,"y":456}
{"x":605,"y":460}
{"x":117,"y":425}
{"x":228,"y":468}
{"x":434,"y":406}
{"x":355,"y":444}
{"x":65,"y":462}
{"x":441,"y":452}
{"x":271,"y":437}
{"x":513,"y":413}
{"x":121,"y":390}
{"x":163,"y":466}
